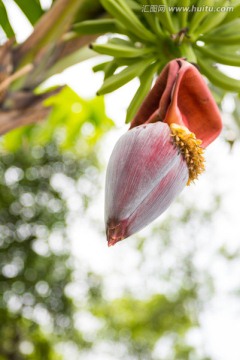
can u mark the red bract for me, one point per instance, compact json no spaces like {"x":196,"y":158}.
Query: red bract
{"x":162,"y":152}
{"x":181,"y":96}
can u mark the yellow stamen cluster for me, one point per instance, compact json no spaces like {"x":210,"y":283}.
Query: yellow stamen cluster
{"x":190,"y":148}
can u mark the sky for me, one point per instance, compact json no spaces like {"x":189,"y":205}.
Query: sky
{"x":220,"y":322}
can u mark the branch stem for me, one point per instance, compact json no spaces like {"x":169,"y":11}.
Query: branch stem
{"x":18,"y":74}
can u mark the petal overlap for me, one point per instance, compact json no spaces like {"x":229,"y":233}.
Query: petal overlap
{"x":140,"y":189}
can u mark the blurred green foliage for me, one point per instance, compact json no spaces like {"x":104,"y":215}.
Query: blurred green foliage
{"x":22,"y":338}
{"x":139,"y":324}
{"x":35,"y":258}
{"x":74,"y":124}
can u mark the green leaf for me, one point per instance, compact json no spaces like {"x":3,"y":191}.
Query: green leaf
{"x":183,"y":15}
{"x":100,"y":26}
{"x":110,"y":69}
{"x":209,"y":69}
{"x":165,"y":16}
{"x":145,"y":84}
{"x":116,"y":81}
{"x":101,"y":66}
{"x":152,"y":20}
{"x":225,"y":34}
{"x":4,"y":21}
{"x":31,"y":9}
{"x":231,"y":15}
{"x":121,"y":50}
{"x":133,"y":4}
{"x":122,"y":12}
{"x":228,"y":55}
{"x":211,"y":20}
{"x":198,"y":16}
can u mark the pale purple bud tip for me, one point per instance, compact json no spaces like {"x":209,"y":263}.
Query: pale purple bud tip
{"x":145,"y":173}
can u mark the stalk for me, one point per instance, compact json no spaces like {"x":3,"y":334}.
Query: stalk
{"x":48,"y":29}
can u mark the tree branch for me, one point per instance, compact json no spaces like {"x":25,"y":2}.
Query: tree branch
{"x":48,"y":29}
{"x":29,"y":109}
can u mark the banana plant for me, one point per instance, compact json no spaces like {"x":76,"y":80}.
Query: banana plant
{"x":51,"y":48}
{"x":143,"y":36}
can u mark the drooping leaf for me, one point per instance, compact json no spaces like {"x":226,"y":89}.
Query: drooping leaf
{"x":31,"y":9}
{"x":4,"y":21}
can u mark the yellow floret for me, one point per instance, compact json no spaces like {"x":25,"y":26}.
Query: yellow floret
{"x":191,"y":149}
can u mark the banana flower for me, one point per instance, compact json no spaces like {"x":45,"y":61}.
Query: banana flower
{"x":162,"y":152}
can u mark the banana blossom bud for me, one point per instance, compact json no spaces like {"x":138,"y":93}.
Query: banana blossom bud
{"x":162,"y":152}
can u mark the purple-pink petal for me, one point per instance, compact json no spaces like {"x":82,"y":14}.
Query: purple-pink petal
{"x":145,"y":173}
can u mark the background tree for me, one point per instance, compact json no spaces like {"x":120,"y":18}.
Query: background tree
{"x":36,"y":263}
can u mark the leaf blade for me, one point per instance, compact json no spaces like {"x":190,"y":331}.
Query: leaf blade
{"x":31,"y":9}
{"x":4,"y":21}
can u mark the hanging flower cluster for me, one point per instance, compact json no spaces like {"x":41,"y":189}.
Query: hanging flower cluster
{"x":162,"y":152}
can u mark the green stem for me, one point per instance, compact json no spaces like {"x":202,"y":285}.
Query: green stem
{"x":187,"y":52}
{"x":165,"y":16}
{"x":183,"y":15}
{"x":48,"y":30}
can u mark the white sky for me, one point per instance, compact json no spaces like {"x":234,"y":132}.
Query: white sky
{"x":221,"y":321}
